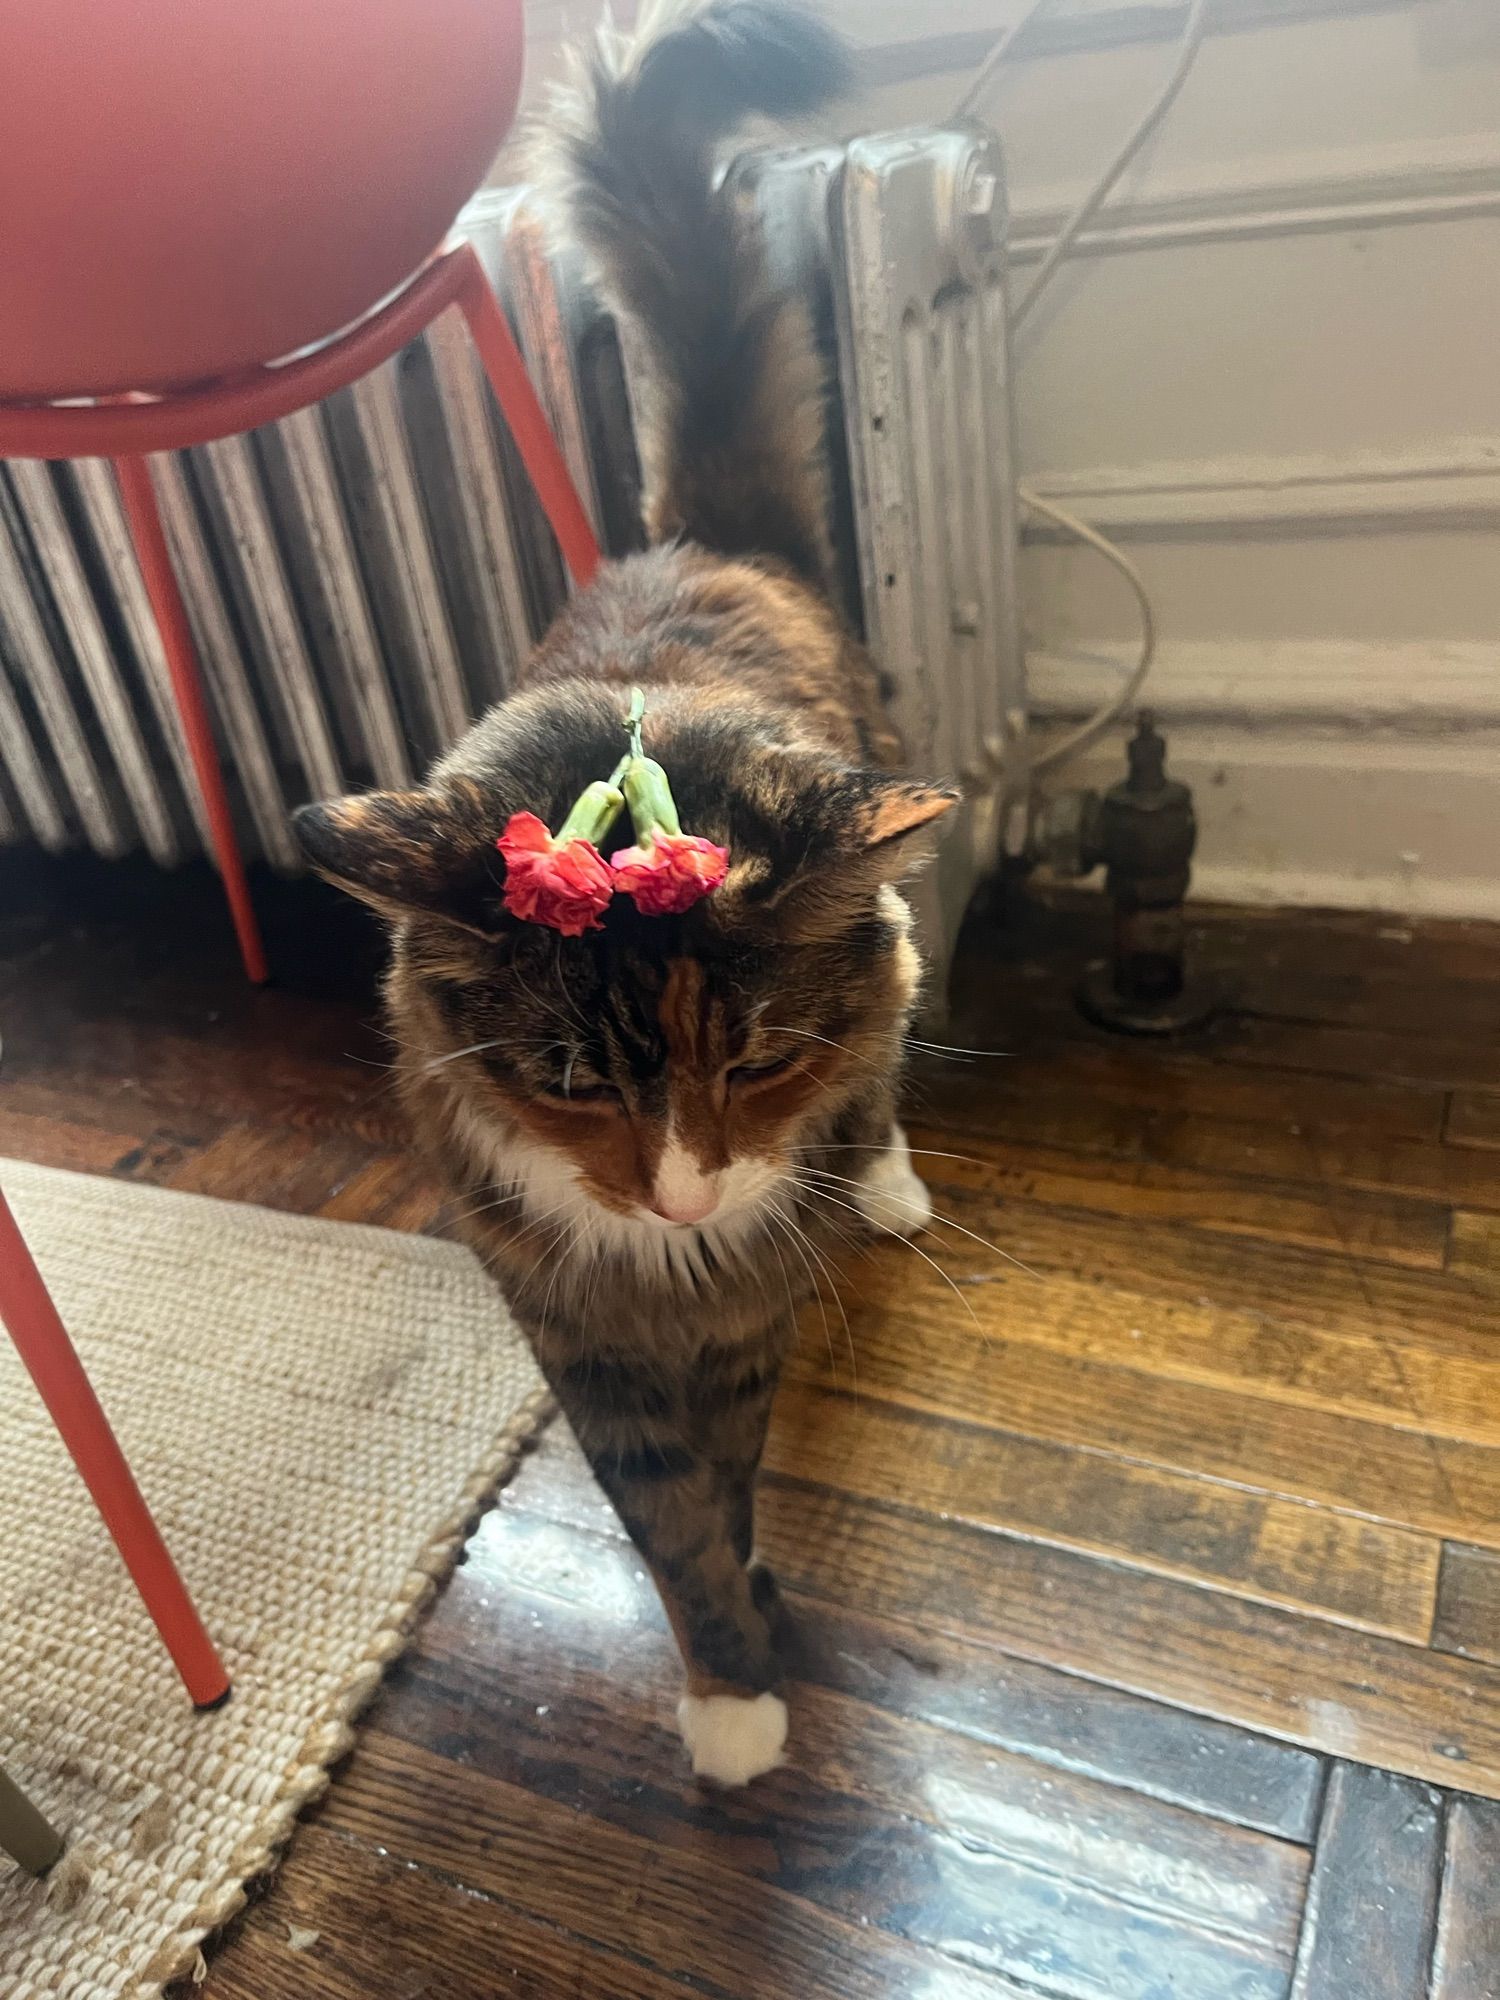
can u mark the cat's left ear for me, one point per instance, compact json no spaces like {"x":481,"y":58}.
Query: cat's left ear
{"x":886,"y":828}
{"x":870,"y":829}
{"x":428,"y":852}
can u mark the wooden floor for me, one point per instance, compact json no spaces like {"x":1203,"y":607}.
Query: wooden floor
{"x":1146,"y":1587}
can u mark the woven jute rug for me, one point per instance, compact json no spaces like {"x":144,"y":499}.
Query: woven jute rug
{"x":315,"y":1412}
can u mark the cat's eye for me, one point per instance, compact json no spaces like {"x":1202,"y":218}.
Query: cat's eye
{"x":583,"y":1093}
{"x":761,"y":1071}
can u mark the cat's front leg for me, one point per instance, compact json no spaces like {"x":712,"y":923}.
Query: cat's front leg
{"x":688,"y":1512}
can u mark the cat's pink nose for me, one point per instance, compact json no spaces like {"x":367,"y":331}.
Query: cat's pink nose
{"x":681,"y":1190}
{"x":694,"y":1208}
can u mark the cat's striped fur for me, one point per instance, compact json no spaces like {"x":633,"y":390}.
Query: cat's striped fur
{"x":632,"y":1123}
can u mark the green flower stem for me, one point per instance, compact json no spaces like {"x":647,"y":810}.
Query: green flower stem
{"x":633,"y":720}
{"x":595,"y":813}
{"x":649,"y":796}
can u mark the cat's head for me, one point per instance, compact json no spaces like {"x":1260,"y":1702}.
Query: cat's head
{"x":665,"y":1068}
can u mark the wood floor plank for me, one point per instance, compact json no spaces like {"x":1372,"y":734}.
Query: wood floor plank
{"x":43,"y":1096}
{"x":1188,"y":1084}
{"x":1324,"y":1181}
{"x":1047,"y":1716}
{"x":1406,"y":951}
{"x":1443,"y":1393}
{"x":1468,"y":1605}
{"x":276,"y":1167}
{"x":1355,"y":997}
{"x":1339,"y":1169}
{"x":1300,"y":965}
{"x":1299,"y":1290}
{"x":1466,"y":1963}
{"x":1306,"y":1680}
{"x":1474,"y":1255}
{"x":631,"y":1894}
{"x":1474,"y":1120}
{"x":350,"y":1923}
{"x":1392,"y":1228}
{"x":59,"y":1142}
{"x":604,"y":1739}
{"x":289,"y":1068}
{"x":866,"y":1817}
{"x":1460,"y":1061}
{"x":1372,"y":1901}
{"x":937,"y":1364}
{"x":161,"y":1154}
{"x":1028,"y":1739}
{"x":393,"y":1191}
{"x":1058,"y":1719}
{"x":1381,"y":1578}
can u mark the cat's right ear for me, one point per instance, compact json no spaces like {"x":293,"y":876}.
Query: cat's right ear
{"x":427,"y":852}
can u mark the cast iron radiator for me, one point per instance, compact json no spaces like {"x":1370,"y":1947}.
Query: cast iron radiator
{"x":363,"y":576}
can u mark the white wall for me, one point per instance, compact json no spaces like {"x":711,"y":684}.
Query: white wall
{"x":1273,"y":373}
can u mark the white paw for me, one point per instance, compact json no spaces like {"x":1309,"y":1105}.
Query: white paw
{"x":891,"y":1195}
{"x":731,"y":1739}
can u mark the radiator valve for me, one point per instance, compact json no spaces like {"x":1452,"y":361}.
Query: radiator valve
{"x":1142,"y":831}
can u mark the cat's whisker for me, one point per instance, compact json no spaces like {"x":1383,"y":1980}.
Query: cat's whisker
{"x":917,"y":1152}
{"x":792,"y":1234}
{"x":948,"y":1049}
{"x":823,"y":1194}
{"x":828,"y":1042}
{"x":786,"y":1277}
{"x":571,"y":1020}
{"x":545,"y":1215}
{"x":837,"y":1299}
{"x":893,"y":1202}
{"x":560,"y":1257}
{"x":484,"y":1208}
{"x":456,"y":1055}
{"x":847,"y":1238}
{"x":596,"y":1279}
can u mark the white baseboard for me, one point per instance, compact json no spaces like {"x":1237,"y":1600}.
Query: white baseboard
{"x":1348,"y":816}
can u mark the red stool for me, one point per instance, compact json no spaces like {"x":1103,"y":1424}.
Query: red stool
{"x":190,"y":189}
{"x":42,"y":1342}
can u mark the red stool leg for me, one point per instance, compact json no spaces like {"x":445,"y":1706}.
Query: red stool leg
{"x":187,"y":686}
{"x":545,"y":465}
{"x":42,"y":1342}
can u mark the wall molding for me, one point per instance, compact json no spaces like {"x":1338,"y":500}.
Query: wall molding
{"x":1088,"y":27}
{"x":1426,"y":687}
{"x":1452,"y":484}
{"x":1380,"y":187}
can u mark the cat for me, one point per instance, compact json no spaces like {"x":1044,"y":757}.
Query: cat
{"x":655,"y":1131}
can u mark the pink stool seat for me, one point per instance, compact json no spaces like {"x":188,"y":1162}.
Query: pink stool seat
{"x":189,"y":187}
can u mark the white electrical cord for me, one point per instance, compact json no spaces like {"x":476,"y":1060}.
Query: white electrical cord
{"x":1188,"y":46}
{"x":968,"y":105}
{"x":1140,"y":132}
{"x":1089,"y":732}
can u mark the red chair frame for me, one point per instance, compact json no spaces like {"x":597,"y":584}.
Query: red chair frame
{"x":128,"y":429}
{"x":51,"y":1359}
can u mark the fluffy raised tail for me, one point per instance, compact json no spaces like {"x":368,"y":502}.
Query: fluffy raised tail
{"x":732,"y":428}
